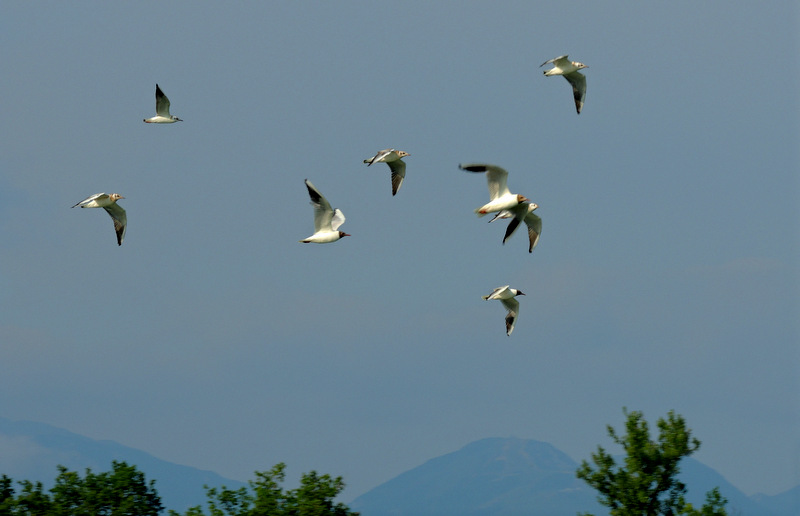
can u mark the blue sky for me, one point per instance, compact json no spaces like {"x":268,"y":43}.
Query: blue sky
{"x":666,"y":276}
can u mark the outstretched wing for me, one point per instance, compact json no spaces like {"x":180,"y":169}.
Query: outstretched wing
{"x":120,"y":220}
{"x":323,"y":214}
{"x":534,"y":223}
{"x":512,"y":305}
{"x":91,"y":201}
{"x":337,"y":220}
{"x":518,"y":213}
{"x":496,"y":177}
{"x":162,"y":103}
{"x":398,"y":167}
{"x":578,"y":82}
{"x":378,"y":157}
{"x":554,"y":61}
{"x":495,"y":292}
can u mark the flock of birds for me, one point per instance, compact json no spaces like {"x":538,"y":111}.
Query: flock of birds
{"x":502,"y":202}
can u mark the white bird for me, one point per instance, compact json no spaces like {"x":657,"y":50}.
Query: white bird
{"x":392,"y":158}
{"x":569,"y":69}
{"x":522,"y":212}
{"x":162,"y":110}
{"x":109,"y":203}
{"x":500,"y":198}
{"x":506,"y":296}
{"x":326,"y":219}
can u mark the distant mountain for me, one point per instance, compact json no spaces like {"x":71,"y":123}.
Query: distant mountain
{"x":511,"y":477}
{"x":787,"y":502}
{"x":490,"y":477}
{"x":31,"y":451}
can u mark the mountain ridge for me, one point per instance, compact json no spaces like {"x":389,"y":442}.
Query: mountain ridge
{"x":494,"y":476}
{"x":510,"y":476}
{"x":32,"y":451}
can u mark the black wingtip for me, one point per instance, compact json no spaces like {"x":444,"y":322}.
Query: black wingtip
{"x":472,"y":168}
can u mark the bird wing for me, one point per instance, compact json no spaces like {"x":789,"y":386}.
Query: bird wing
{"x":337,"y":220}
{"x":378,"y":157}
{"x":534,"y":223}
{"x":323,"y":214}
{"x":88,"y":200}
{"x":120,"y":219}
{"x":512,"y":305}
{"x":554,"y":61}
{"x":502,"y":215}
{"x":518,"y":213}
{"x":497,"y":179}
{"x":398,"y":167}
{"x":162,"y":103}
{"x":495,"y":176}
{"x":496,"y":292}
{"x":578,"y":82}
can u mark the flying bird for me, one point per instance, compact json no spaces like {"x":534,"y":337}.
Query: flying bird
{"x":392,"y":158}
{"x":520,"y":213}
{"x":500,"y":198}
{"x":109,"y":203}
{"x":326,"y":219}
{"x":506,"y":296}
{"x":162,"y":110}
{"x":569,"y":69}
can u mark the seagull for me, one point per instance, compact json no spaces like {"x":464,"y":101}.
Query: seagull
{"x":109,"y":203}
{"x":392,"y":158}
{"x":326,"y":219}
{"x":569,"y":69}
{"x":522,"y":212}
{"x":506,"y":296}
{"x":500,"y":198}
{"x":162,"y":110}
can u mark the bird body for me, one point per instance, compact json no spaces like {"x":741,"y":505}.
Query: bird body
{"x":162,"y":110}
{"x":569,"y":69}
{"x":392,"y":157}
{"x":506,"y":295}
{"x":326,"y":219}
{"x":109,"y":203}
{"x":500,"y":197}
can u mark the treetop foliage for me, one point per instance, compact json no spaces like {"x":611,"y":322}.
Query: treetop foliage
{"x":123,"y":491}
{"x":647,"y":483}
{"x":265,"y":497}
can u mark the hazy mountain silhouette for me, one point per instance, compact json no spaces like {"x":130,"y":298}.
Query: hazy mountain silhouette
{"x":490,"y":477}
{"x":510,"y":477}
{"x":31,"y":451}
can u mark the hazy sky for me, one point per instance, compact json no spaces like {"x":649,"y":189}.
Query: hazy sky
{"x":666,"y":277}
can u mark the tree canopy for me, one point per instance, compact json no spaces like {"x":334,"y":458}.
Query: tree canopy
{"x":121,"y":491}
{"x":266,"y":497}
{"x":646,"y":483}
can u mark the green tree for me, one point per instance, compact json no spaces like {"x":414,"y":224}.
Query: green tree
{"x":647,"y":483}
{"x":6,"y":496}
{"x":121,"y":491}
{"x":266,"y":497}
{"x":32,"y":500}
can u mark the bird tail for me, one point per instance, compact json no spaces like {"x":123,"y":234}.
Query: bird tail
{"x":484,"y":297}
